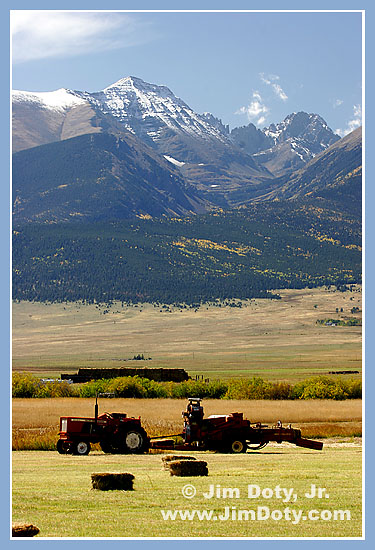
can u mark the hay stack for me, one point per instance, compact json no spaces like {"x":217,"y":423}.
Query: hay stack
{"x":169,"y":458}
{"x":112,"y":482}
{"x":24,"y":530}
{"x":187,"y":468}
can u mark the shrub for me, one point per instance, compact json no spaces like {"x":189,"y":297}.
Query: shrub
{"x":322,"y":387}
{"x":124,"y":386}
{"x":196,"y":388}
{"x":318,"y":387}
{"x":27,"y":385}
{"x":354,"y":388}
{"x":24,"y":385}
{"x":127,"y":386}
{"x":90,"y":389}
{"x":281,"y":390}
{"x":254,"y":388}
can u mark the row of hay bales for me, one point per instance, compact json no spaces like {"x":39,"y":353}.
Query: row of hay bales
{"x":184,"y":466}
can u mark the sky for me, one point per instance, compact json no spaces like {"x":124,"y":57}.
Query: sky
{"x":241,"y":67}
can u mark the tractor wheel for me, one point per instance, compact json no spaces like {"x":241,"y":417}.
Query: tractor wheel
{"x":81,"y":448}
{"x":136,"y":441}
{"x":238,"y":446}
{"x":106,"y":447}
{"x":61,"y":448}
{"x":133,"y":441}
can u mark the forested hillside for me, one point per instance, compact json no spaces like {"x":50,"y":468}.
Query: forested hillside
{"x":243,"y":253}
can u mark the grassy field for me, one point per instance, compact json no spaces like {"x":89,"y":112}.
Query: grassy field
{"x":274,"y":339}
{"x":36,"y":421}
{"x":54,"y":492}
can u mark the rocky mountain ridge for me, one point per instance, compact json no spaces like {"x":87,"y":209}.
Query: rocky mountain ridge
{"x":210,"y":165}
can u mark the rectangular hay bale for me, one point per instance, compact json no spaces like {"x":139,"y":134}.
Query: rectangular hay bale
{"x":187,"y":468}
{"x":169,"y":458}
{"x":24,"y":530}
{"x":112,"y":482}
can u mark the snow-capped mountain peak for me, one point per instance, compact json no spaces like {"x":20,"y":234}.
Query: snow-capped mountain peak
{"x":58,"y":100}
{"x":149,"y":110}
{"x":287,"y":144}
{"x":133,"y":83}
{"x":307,"y":126}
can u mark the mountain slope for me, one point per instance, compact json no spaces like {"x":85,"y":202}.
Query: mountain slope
{"x":242,"y":253}
{"x":226,"y":169}
{"x":335,"y":175}
{"x":39,"y":118}
{"x":148,"y":109}
{"x":288,"y":145}
{"x":97,"y":176}
{"x":198,"y":144}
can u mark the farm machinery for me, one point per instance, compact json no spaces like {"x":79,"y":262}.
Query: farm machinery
{"x":117,"y":433}
{"x":231,"y":433}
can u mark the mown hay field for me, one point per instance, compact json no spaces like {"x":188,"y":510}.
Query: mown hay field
{"x":273,"y":339}
{"x":54,"y":493}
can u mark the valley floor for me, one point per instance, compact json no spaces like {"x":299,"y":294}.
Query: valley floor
{"x":274,"y":339}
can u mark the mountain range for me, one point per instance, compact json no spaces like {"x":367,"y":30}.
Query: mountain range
{"x":172,"y":205}
{"x":156,"y":146}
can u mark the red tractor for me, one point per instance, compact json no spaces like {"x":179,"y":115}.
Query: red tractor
{"x":115,"y":432}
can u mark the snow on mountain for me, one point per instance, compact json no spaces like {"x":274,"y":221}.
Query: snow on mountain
{"x":58,"y":100}
{"x":286,"y":145}
{"x":133,"y":102}
{"x":174,"y":161}
{"x":274,"y":131}
{"x":311,"y":128}
{"x":233,"y":166}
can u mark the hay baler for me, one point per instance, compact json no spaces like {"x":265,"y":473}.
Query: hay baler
{"x":231,"y":433}
{"x":115,"y":432}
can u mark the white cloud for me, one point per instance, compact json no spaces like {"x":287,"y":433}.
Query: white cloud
{"x":337,"y":103}
{"x":353,"y":123}
{"x":261,"y":120}
{"x":256,"y":111}
{"x":40,"y":34}
{"x":270,"y":80}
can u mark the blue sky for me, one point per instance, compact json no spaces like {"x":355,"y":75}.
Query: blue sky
{"x":242,"y":67}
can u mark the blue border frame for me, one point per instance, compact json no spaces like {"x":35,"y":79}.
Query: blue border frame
{"x":6,"y":6}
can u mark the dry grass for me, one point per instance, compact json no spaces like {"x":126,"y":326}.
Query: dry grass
{"x":36,"y":421}
{"x":274,"y":339}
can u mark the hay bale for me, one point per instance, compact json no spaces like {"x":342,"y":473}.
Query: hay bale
{"x":187,"y":468}
{"x":112,"y":482}
{"x":169,"y":458}
{"x":24,"y":530}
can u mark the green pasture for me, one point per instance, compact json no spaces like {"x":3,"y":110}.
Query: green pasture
{"x":54,"y":493}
